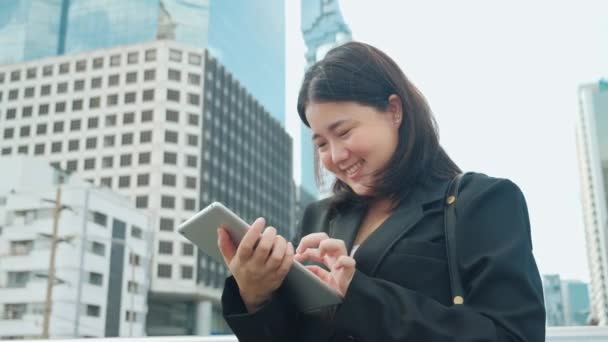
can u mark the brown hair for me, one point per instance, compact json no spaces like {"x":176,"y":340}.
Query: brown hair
{"x":361,"y":73}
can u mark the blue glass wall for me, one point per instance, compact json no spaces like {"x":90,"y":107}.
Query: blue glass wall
{"x":29,"y":29}
{"x":248,"y":38}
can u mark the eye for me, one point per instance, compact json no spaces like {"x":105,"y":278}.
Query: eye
{"x":321,"y":145}
{"x":344,"y":133}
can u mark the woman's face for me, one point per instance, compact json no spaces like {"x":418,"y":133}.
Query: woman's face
{"x":355,"y":141}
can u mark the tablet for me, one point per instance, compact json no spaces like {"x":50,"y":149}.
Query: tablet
{"x":304,"y":289}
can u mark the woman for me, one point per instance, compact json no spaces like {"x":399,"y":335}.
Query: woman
{"x":381,"y":235}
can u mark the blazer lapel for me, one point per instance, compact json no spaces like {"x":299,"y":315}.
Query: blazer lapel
{"x":373,"y":250}
{"x":344,"y":226}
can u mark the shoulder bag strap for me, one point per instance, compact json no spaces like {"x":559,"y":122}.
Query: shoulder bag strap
{"x":449,"y":219}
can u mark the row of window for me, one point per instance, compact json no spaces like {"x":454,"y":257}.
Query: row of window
{"x":96,"y":83}
{"x":142,"y":179}
{"x":165,"y":271}
{"x":166,"y":202}
{"x":166,"y":247}
{"x":95,"y":63}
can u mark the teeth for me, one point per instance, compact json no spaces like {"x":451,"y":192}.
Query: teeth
{"x":351,"y":170}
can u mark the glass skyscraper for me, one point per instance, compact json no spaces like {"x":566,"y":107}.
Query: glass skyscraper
{"x":248,"y":38}
{"x":30,"y":29}
{"x":323,"y":28}
{"x":592,"y":146}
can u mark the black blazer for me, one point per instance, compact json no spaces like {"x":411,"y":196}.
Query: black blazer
{"x":400,"y":290}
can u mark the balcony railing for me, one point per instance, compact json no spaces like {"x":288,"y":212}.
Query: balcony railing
{"x":557,"y":334}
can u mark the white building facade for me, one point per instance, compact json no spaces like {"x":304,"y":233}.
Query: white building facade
{"x":102,"y":263}
{"x":592,"y":145}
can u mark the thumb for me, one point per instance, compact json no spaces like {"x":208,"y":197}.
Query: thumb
{"x":226,"y":245}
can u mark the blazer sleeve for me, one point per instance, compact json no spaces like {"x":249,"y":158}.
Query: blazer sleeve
{"x":503,"y":291}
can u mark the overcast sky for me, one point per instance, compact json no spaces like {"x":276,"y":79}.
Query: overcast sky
{"x":502,"y":79}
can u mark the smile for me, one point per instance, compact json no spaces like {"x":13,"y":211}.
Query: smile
{"x":354,"y":169}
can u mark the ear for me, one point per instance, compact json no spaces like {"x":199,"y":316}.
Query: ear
{"x":395,"y":109}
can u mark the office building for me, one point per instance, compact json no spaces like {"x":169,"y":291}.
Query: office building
{"x":576,"y":302}
{"x":102,"y":258}
{"x":592,"y":147}
{"x":554,"y":305}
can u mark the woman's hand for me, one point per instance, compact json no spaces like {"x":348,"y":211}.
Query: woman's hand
{"x":259,"y":264}
{"x":332,"y":253}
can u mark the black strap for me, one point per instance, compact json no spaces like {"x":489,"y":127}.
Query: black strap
{"x":449,"y":219}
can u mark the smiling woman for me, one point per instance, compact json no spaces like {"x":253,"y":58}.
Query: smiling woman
{"x":418,"y":251}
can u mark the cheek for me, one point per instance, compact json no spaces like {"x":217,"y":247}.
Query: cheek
{"x":325,"y":159}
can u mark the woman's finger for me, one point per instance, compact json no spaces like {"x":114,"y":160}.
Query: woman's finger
{"x":311,"y":254}
{"x":264,"y":247}
{"x":311,"y":241}
{"x":247,"y":245}
{"x":324,"y":275}
{"x":276,"y":255}
{"x":226,"y":245}
{"x":332,"y":247}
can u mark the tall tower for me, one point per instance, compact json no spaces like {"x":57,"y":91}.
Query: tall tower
{"x":323,"y":28}
{"x":592,"y":145}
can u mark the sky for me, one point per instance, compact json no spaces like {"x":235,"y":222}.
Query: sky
{"x":502,"y":80}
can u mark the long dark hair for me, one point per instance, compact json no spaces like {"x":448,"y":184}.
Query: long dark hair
{"x":361,"y":73}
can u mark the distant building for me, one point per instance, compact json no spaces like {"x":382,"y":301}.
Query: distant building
{"x":576,"y":302}
{"x":102,"y":260}
{"x":592,"y":146}
{"x":554,"y":304}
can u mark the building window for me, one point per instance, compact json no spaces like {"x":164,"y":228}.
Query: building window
{"x":41,"y":129}
{"x":132,"y":287}
{"x":98,"y":248}
{"x":106,"y":181}
{"x":124,"y":181}
{"x":194,"y":79}
{"x":175,"y":55}
{"x":107,"y":162}
{"x":76,"y":105}
{"x":71,"y":165}
{"x":165,"y":247}
{"x":112,"y":100}
{"x":93,"y":310}
{"x":17,"y":279}
{"x":187,"y":249}
{"x":14,"y":311}
{"x":39,"y":149}
{"x":96,"y":83}
{"x":131,"y":316}
{"x":93,"y":122}
{"x":29,"y":92}
{"x":144,"y":158}
{"x":192,"y":140}
{"x":27,"y":111}
{"x":166,"y":224}
{"x":170,"y":158}
{"x":9,"y":133}
{"x":57,"y":126}
{"x":75,"y":125}
{"x":130,"y":97}
{"x":194,"y":59}
{"x":45,"y":90}
{"x":127,"y":139}
{"x":125,"y":160}
{"x":187,"y":272}
{"x":31,"y":73}
{"x":168,"y":179}
{"x":15,"y":75}
{"x":91,"y":143}
{"x":167,"y":202}
{"x":134,"y":259}
{"x":56,"y":147}
{"x":62,"y":88}
{"x":81,"y":65}
{"x":141,"y":201}
{"x":132,"y":57}
{"x":13,"y":94}
{"x":172,"y":95}
{"x":43,"y":109}
{"x":94,"y":102}
{"x":98,"y":63}
{"x":194,"y":99}
{"x":11,"y":113}
{"x":73,"y":145}
{"x":189,"y":204}
{"x":193,"y":119}
{"x":60,"y":107}
{"x":150,"y":55}
{"x":95,"y":278}
{"x":147,"y":115}
{"x":190,"y":182}
{"x":174,"y":75}
{"x":145,"y":137}
{"x":89,"y":163}
{"x":22,"y":149}
{"x":143,"y":179}
{"x":149,"y":75}
{"x":164,"y":271}
{"x":64,"y":68}
{"x":172,"y":115}
{"x":171,"y":137}
{"x":131,"y":77}
{"x":78,"y":85}
{"x":108,"y":140}
{"x":191,"y":161}
{"x":113,"y":80}
{"x":6,"y":151}
{"x":148,"y":95}
{"x":110,"y":120}
{"x":137,"y":232}
{"x":47,"y":70}
{"x":115,"y":60}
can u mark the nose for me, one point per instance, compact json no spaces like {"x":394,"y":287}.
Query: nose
{"x":338,"y":153}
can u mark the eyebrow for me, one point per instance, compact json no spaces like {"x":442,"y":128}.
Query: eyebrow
{"x":331,"y":127}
